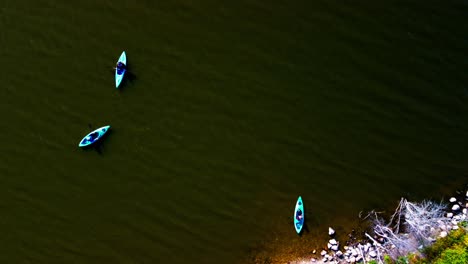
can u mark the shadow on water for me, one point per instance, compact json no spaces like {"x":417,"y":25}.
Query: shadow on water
{"x":129,"y":77}
{"x":305,"y":229}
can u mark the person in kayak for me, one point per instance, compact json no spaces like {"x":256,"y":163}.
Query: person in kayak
{"x":299,"y":216}
{"x":93,"y":137}
{"x":120,"y":67}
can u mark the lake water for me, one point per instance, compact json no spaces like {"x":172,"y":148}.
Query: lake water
{"x":232,"y":111}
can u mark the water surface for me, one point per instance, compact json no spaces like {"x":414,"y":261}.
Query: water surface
{"x":234,"y":110}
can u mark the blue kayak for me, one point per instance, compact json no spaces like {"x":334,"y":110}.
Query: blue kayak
{"x":299,"y":215}
{"x":119,"y":74}
{"x":93,"y":136}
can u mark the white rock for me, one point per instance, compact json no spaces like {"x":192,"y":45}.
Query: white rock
{"x":453,"y":199}
{"x":354,"y":252}
{"x":313,"y":260}
{"x":345,"y":247}
{"x":329,"y":245}
{"x":466,"y":194}
{"x":352,"y":259}
{"x":339,"y":253}
{"x":331,"y":232}
{"x":314,"y":251}
{"x":443,"y":234}
{"x":455,"y":207}
{"x":455,"y":227}
{"x":366,"y":247}
{"x":454,"y":222}
{"x":323,"y":253}
{"x":334,"y":247}
{"x":373,"y":254}
{"x":464,"y":211}
{"x":333,"y":242}
{"x":449,"y":215}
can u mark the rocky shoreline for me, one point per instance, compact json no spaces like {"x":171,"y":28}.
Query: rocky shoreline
{"x":374,"y":248}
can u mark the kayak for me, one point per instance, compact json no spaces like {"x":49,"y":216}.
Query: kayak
{"x":93,"y":136}
{"x":299,"y":215}
{"x":120,"y":74}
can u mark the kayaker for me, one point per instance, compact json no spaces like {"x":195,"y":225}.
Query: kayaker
{"x":93,"y":136}
{"x":120,"y":67}
{"x":299,"y":215}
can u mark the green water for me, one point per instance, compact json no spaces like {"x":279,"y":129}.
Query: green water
{"x":235,"y":109}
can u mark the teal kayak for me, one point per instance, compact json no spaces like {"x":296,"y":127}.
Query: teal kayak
{"x":299,"y":215}
{"x":119,"y":73}
{"x":93,"y":136}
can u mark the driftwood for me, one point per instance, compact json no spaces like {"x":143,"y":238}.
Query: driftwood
{"x":411,"y":226}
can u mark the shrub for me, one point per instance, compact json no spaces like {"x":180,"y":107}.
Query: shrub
{"x":387,"y":259}
{"x":456,"y":255}
{"x":464,"y":224}
{"x":416,"y":258}
{"x":402,"y":260}
{"x":434,"y":251}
